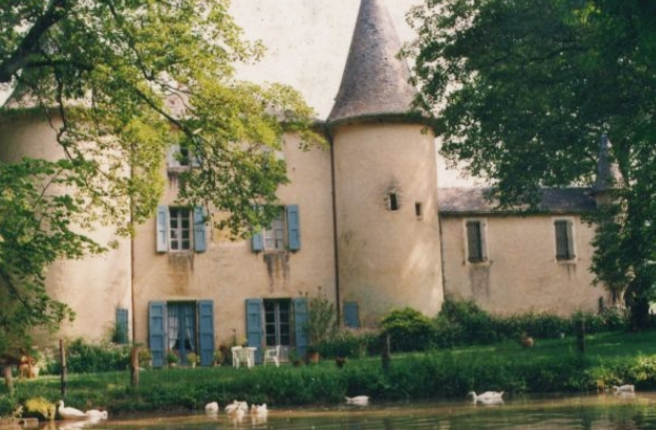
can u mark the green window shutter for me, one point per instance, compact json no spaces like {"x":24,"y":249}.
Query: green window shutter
{"x":293,"y":228}
{"x":564,"y":240}
{"x":474,"y":241}
{"x":122,"y":334}
{"x":254,"y":333}
{"x":162,"y":228}
{"x":300,"y":319}
{"x":351,"y":315}
{"x":206,"y":332}
{"x":257,"y":242}
{"x":157,"y":332}
{"x":200,"y":242}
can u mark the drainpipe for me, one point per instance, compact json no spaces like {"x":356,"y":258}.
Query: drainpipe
{"x":338,"y":298}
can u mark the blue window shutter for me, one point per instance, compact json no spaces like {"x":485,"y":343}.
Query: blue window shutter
{"x":351,"y":315}
{"x":257,"y":242}
{"x":200,"y":242}
{"x":157,"y":332}
{"x":293,"y":228}
{"x":122,"y":325}
{"x":254,"y":333}
{"x":300,"y":319}
{"x":206,"y":332}
{"x":162,"y":228}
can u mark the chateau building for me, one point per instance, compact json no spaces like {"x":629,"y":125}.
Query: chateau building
{"x":362,"y":221}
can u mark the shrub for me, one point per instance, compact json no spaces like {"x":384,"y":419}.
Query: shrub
{"x":320,"y":324}
{"x":349,"y":342}
{"x":83,"y":357}
{"x":409,"y":330}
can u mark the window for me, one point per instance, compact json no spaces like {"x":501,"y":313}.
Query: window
{"x":277,"y":317}
{"x":418,"y":210}
{"x":180,"y":157}
{"x":393,"y":201}
{"x":180,"y":229}
{"x":181,"y":328}
{"x":564,"y":240}
{"x":284,"y":233}
{"x":475,"y":241}
{"x":274,"y":236}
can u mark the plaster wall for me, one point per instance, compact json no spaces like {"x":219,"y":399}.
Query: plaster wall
{"x":387,"y":259}
{"x":95,"y":286}
{"x":522,"y":273}
{"x":229,"y":272}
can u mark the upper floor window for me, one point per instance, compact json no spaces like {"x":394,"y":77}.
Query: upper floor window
{"x":180,"y":157}
{"x":180,"y":229}
{"x":564,"y":239}
{"x":284,"y":232}
{"x":475,"y":241}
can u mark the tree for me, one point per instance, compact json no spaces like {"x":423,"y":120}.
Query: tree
{"x":523,"y":90}
{"x":121,"y":82}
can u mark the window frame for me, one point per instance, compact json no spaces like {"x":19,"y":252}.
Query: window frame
{"x":189,"y":229}
{"x":277,"y":234}
{"x":480,"y":242}
{"x":564,"y":239}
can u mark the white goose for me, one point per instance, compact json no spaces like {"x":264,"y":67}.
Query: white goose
{"x":358,"y":400}
{"x":212,"y":408}
{"x":488,"y":397}
{"x":627,"y":388}
{"x":96,"y":415}
{"x":259,"y":409}
{"x":68,"y":413}
{"x":236,"y":407}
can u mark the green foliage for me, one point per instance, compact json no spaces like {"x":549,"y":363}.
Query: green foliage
{"x":321,"y":322}
{"x":85,"y":357}
{"x":348,"y":342}
{"x":410,"y":330}
{"x":523,"y":92}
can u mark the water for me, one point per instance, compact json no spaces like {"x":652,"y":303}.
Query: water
{"x":594,"y":412}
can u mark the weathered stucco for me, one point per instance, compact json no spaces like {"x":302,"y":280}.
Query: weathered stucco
{"x":522,"y":273}
{"x":387,"y":259}
{"x":229,"y":272}
{"x":94,"y":287}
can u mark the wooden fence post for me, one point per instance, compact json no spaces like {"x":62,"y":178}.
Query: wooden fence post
{"x":134,"y":366}
{"x":8,"y":379}
{"x":64,"y":372}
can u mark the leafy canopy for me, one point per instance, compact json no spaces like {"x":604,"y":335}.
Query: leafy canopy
{"x":120,"y":82}
{"x":523,"y":91}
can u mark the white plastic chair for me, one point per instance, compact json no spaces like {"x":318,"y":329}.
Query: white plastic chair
{"x":236,"y":352}
{"x":272,"y":355}
{"x":243,"y":355}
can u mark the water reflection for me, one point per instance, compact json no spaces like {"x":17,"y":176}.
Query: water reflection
{"x":603,"y":412}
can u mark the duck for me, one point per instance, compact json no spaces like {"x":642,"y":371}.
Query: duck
{"x":488,"y":397}
{"x":212,"y":407}
{"x":626,"y":388}
{"x":259,"y":409}
{"x":96,"y":415}
{"x":69,"y":413}
{"x":357,"y":400}
{"x":236,"y":407}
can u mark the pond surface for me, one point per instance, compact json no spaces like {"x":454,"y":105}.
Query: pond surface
{"x":594,"y":412}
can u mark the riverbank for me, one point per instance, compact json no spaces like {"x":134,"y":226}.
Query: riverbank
{"x":548,"y":366}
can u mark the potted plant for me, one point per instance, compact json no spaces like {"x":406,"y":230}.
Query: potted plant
{"x":193,"y":359}
{"x":294,"y":358}
{"x":171,"y":359}
{"x":312,"y":355}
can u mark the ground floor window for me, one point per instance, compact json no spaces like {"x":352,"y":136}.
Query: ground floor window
{"x":277,"y":322}
{"x":181,"y":328}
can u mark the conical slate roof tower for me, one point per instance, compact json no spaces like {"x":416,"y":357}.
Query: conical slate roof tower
{"x":375,"y":80}
{"x":385,"y":180}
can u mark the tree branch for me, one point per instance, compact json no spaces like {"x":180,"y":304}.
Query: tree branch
{"x":55,"y":11}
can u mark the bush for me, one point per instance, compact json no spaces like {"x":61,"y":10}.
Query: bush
{"x":83,"y":357}
{"x":349,"y":342}
{"x":409,"y":330}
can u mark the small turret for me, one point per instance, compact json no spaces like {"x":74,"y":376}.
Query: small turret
{"x":609,"y":176}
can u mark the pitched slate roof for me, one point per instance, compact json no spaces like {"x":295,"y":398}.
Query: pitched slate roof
{"x":375,"y":81}
{"x":458,"y":201}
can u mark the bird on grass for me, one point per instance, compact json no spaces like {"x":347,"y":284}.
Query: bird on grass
{"x":488,"y":397}
{"x":69,"y":413}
